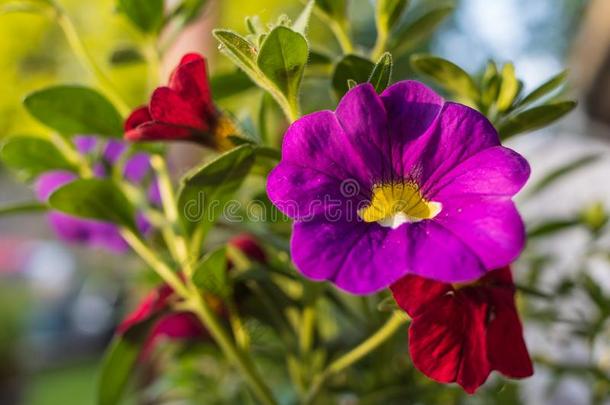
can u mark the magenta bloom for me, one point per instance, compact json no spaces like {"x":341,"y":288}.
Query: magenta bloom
{"x":398,"y":183}
{"x":94,"y":233}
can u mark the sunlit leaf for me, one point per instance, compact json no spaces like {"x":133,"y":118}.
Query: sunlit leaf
{"x":282,"y":60}
{"x":408,"y":36}
{"x":535,"y":118}
{"x":239,"y":50}
{"x":388,"y":13}
{"x":302,"y":22}
{"x":334,"y":9}
{"x":509,"y":87}
{"x":99,"y":199}
{"x":447,"y":75}
{"x":382,"y":73}
{"x":546,"y":88}
{"x":31,"y":156}
{"x":75,"y":110}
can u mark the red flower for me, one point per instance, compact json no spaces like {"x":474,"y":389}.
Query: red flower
{"x":461,"y":334}
{"x":182,"y":111}
{"x":156,"y":307}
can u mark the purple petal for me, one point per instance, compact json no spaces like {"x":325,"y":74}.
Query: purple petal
{"x":358,"y":257}
{"x":137,"y":167}
{"x":411,"y":109}
{"x":85,"y":143}
{"x":113,"y":150}
{"x":87,"y":232}
{"x":47,"y":183}
{"x":154,"y":193}
{"x":437,"y":253}
{"x":458,"y":133}
{"x":490,"y":226}
{"x":362,"y":116}
{"x":497,"y":171}
{"x":99,"y":170}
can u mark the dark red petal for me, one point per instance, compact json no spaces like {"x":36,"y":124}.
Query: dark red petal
{"x":154,"y":131}
{"x":507,"y":350}
{"x":174,"y":326}
{"x":168,"y":107}
{"x":191,"y":57}
{"x":475,"y":367}
{"x":250,"y":247}
{"x":447,"y":342}
{"x":139,"y":116}
{"x":500,"y":277}
{"x":414,"y":293}
{"x":190,"y":81}
{"x":155,"y":302}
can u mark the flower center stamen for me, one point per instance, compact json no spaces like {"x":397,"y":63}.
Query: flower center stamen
{"x":396,"y":203}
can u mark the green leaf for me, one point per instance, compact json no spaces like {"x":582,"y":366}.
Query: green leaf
{"x":352,"y":67}
{"x":552,"y":177}
{"x":334,"y":9}
{"x":126,"y":56}
{"x":547,"y":87}
{"x":551,"y":227}
{"x":302,"y":22}
{"x":229,"y":84}
{"x":99,"y":199}
{"x":119,"y":362}
{"x":388,"y":13}
{"x":282,"y":60}
{"x":22,"y":208}
{"x":147,"y":15}
{"x":535,"y":118}
{"x":447,"y":75}
{"x":75,"y":110}
{"x":410,"y":35}
{"x":509,"y":87}
{"x":190,"y":10}
{"x":382,"y":73}
{"x":211,"y":273}
{"x":31,"y":156}
{"x":239,"y":50}
{"x":207,"y":189}
{"x":490,"y":84}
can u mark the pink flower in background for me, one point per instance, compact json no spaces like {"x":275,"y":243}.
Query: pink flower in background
{"x":91,"y":232}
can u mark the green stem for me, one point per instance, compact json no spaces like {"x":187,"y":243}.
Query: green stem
{"x":357,"y":353}
{"x":340,"y":32}
{"x":243,"y":362}
{"x":176,"y":242}
{"x":87,"y":61}
{"x":380,"y":45}
{"x":308,"y":321}
{"x":162,"y":269}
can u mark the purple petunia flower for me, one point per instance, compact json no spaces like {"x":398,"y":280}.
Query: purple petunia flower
{"x":398,"y":183}
{"x":92,"y":232}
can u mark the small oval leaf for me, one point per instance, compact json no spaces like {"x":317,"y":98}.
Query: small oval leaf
{"x":99,"y":199}
{"x":31,"y":156}
{"x":75,"y":110}
{"x":447,"y":75}
{"x":382,"y":73}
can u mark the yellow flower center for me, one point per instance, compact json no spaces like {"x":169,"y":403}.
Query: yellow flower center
{"x":396,"y":203}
